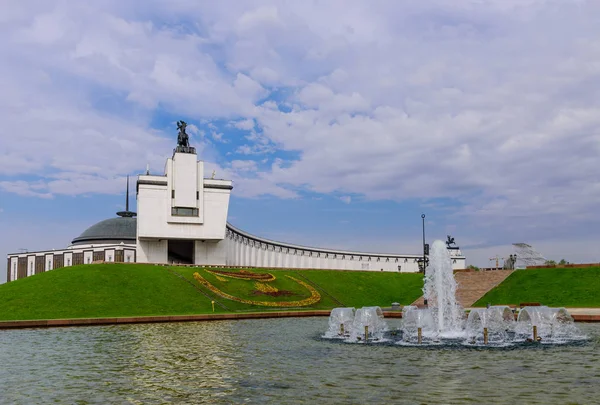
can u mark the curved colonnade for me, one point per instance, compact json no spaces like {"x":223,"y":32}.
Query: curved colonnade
{"x":244,"y":249}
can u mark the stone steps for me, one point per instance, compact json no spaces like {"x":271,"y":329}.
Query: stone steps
{"x":472,"y":285}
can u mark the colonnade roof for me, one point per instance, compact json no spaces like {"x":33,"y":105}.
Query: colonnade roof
{"x":316,"y":249}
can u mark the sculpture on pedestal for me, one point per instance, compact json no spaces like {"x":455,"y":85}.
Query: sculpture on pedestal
{"x":183,"y":139}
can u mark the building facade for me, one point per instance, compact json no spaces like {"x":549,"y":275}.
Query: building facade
{"x":182,"y":219}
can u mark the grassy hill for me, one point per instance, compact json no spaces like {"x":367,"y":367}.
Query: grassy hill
{"x":558,"y":287}
{"x":113,"y":290}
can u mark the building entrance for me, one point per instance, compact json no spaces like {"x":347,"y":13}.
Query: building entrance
{"x":181,"y":251}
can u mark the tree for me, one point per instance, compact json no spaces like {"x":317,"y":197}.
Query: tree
{"x":470,"y":266}
{"x":550,"y":263}
{"x":563,"y":262}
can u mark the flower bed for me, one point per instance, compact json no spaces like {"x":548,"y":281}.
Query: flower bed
{"x":243,"y":275}
{"x":313,"y":299}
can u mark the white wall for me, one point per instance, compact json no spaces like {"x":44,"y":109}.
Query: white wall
{"x":152,"y":251}
{"x":210,"y":252}
{"x":30,"y":265}
{"x":109,"y":255}
{"x":14,"y":263}
{"x":184,"y":180}
{"x":49,"y":261}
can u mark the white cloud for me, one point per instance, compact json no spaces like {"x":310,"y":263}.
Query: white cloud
{"x":491,"y":106}
{"x":346,"y":199}
{"x":247,"y":124}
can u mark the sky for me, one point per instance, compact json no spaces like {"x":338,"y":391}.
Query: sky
{"x":340,"y":122}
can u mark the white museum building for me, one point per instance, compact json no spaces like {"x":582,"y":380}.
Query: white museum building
{"x":182,"y":219}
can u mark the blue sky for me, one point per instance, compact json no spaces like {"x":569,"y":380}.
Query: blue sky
{"x":339,"y":122}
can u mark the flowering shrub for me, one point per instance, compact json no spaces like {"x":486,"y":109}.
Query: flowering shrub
{"x":313,"y":299}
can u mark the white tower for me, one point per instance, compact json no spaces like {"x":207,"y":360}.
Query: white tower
{"x":181,"y":215}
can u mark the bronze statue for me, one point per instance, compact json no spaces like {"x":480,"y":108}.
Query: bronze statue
{"x":450,"y":241}
{"x":182,"y":138}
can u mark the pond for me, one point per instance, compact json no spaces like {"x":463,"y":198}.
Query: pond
{"x":282,"y":361}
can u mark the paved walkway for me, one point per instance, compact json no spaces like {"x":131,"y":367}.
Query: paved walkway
{"x":472,"y":285}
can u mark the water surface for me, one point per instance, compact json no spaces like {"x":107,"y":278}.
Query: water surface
{"x":281,"y":361}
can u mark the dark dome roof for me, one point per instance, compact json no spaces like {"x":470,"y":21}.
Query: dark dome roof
{"x":113,"y":230}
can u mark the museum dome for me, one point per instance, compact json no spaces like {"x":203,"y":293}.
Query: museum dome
{"x":113,"y":231}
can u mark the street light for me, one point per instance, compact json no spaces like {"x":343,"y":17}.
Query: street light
{"x":424,"y":263}
{"x":423,"y":220}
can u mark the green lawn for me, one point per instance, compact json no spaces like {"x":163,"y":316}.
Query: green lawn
{"x":558,"y":287}
{"x":368,"y":288}
{"x":100,"y":290}
{"x":112,"y":290}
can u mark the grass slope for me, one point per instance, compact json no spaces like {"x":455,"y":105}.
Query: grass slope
{"x":559,"y":287}
{"x":111,"y":290}
{"x":362,"y":288}
{"x":100,"y":290}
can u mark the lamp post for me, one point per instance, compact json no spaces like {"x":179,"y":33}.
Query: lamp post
{"x":423,"y":220}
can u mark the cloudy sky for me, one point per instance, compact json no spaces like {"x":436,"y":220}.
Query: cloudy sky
{"x":340,"y":122}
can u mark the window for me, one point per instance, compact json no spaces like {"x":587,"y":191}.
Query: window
{"x":128,"y":259}
{"x":88,"y":260}
{"x":172,"y":193}
{"x":68,"y":262}
{"x":110,"y":258}
{"x":184,"y":212}
{"x":197,"y":195}
{"x":49,"y":265}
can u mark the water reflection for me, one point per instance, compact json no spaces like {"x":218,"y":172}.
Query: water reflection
{"x":279,"y":361}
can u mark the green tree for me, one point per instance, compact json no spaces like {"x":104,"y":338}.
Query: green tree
{"x":563,"y":262}
{"x":550,"y":263}
{"x":470,"y":266}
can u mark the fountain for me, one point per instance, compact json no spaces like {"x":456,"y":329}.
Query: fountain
{"x":443,"y":321}
{"x":340,"y":322}
{"x":440,"y":293}
{"x":546,"y":325}
{"x":362,"y":325}
{"x":497,"y":321}
{"x":368,"y":325}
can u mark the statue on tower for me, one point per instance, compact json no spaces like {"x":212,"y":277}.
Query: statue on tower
{"x":183,"y":139}
{"x":451,"y":242}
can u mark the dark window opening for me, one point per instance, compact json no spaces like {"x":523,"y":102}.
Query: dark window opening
{"x":172,"y":193}
{"x":184,"y":212}
{"x":197,"y":195}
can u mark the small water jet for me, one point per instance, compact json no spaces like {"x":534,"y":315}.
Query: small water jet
{"x":498,"y":321}
{"x":552,"y":325}
{"x":340,"y":323}
{"x":415,"y":319}
{"x":368,"y":325}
